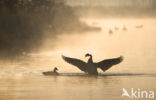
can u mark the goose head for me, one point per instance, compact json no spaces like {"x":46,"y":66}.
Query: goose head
{"x":90,"y":58}
{"x":55,"y":69}
{"x":88,"y":55}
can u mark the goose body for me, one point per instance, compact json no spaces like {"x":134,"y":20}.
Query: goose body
{"x":90,"y":67}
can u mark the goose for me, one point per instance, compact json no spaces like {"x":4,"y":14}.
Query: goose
{"x":116,"y":28}
{"x":139,"y":26}
{"x":54,"y":72}
{"x":110,"y":31}
{"x":124,"y":28}
{"x":91,"y":67}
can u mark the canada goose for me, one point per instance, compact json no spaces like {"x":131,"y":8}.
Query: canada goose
{"x":91,"y":67}
{"x":110,"y":32}
{"x":54,"y":72}
{"x":116,"y":28}
{"x":139,"y":26}
{"x":124,"y":28}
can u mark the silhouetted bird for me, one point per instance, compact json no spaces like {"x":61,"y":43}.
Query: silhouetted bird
{"x":110,"y":32}
{"x":139,"y":26}
{"x":124,"y":28}
{"x":54,"y":72}
{"x":116,"y":28}
{"x":91,"y":67}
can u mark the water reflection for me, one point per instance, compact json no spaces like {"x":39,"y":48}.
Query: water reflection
{"x":72,"y":86}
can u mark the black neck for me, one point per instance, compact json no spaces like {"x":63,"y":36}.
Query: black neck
{"x":90,"y":59}
{"x":54,"y":70}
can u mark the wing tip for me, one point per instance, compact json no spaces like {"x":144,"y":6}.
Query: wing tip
{"x":63,"y":57}
{"x":121,"y":58}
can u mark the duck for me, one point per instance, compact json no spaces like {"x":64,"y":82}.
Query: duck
{"x":91,"y":67}
{"x":54,"y":72}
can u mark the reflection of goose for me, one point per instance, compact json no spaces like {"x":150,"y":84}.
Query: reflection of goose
{"x":54,"y":72}
{"x":90,"y":67}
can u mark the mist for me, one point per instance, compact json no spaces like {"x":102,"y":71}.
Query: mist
{"x":26,"y":24}
{"x":114,"y":8}
{"x":35,"y":34}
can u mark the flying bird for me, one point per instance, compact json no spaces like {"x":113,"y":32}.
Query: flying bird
{"x":90,"y":67}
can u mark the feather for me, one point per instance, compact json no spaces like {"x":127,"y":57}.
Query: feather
{"x":108,"y":63}
{"x":76,"y":62}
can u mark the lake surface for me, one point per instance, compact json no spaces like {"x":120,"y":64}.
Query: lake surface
{"x":23,"y":79}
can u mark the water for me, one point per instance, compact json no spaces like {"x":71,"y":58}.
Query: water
{"x":69,"y":87}
{"x":23,"y":80}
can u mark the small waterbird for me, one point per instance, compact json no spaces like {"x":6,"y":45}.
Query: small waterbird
{"x":54,"y":72}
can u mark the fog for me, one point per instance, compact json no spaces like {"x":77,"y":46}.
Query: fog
{"x":114,"y":8}
{"x":34,"y":40}
{"x":25,"y":24}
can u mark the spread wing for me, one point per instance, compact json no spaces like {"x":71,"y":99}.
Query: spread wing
{"x":108,"y":63}
{"x":76,"y":62}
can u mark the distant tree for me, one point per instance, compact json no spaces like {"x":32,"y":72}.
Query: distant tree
{"x":24,"y":22}
{"x":154,"y":4}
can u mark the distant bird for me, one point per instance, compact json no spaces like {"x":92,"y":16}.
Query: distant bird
{"x":139,"y":26}
{"x":110,"y":32}
{"x":116,"y":28}
{"x":91,"y":67}
{"x":54,"y":72}
{"x":124,"y":28}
